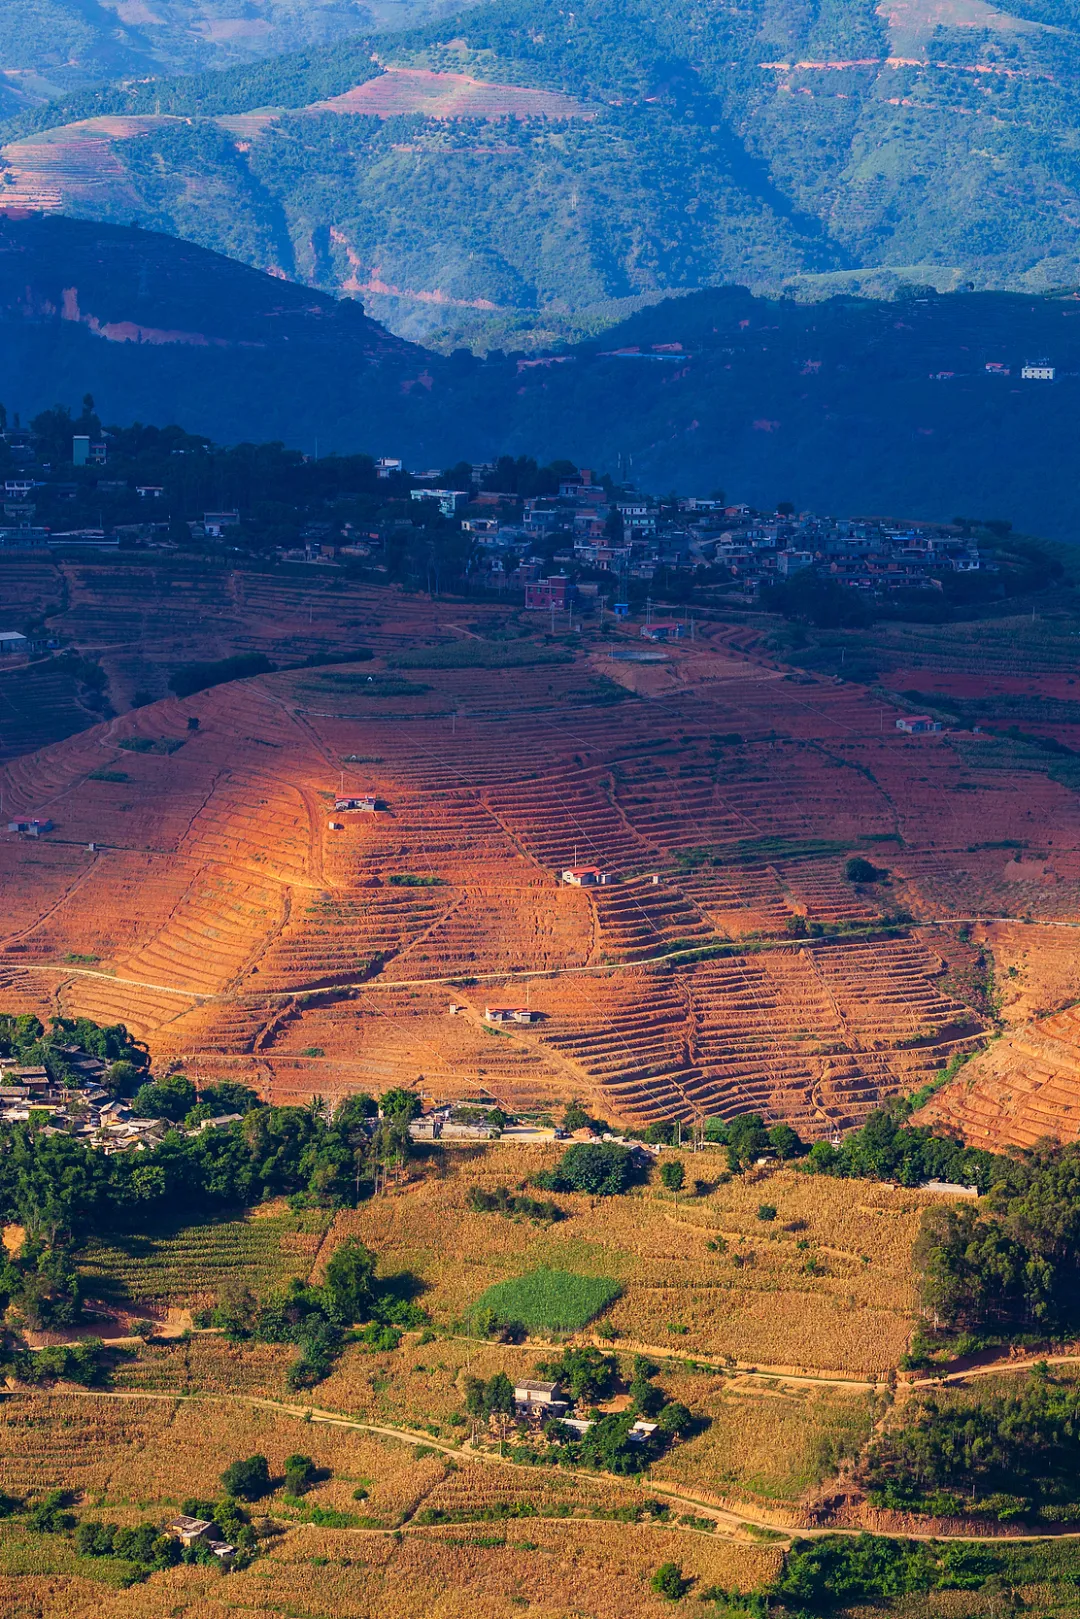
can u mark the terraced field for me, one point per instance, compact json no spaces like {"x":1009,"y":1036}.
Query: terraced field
{"x":197,"y":888}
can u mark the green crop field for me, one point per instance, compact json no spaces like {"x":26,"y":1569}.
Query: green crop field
{"x":189,"y":1262}
{"x":556,"y":1299}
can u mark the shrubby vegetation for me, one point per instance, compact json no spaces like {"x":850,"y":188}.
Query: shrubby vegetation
{"x":747,"y":1139}
{"x":24,"y":1038}
{"x":603,"y":1169}
{"x":318,"y":1318}
{"x":515,"y":1205}
{"x":887,"y":1147}
{"x":193,"y":677}
{"x":1005,"y":1456}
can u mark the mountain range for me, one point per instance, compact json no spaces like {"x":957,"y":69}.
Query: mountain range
{"x":519,"y":174}
{"x":913,"y":406}
{"x":49,"y":47}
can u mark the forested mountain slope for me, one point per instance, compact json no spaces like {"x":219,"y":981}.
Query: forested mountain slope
{"x":773,"y":144}
{"x":845,"y":405}
{"x":48,"y":47}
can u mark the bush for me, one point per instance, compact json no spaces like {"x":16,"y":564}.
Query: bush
{"x":49,"y":1517}
{"x":858,"y":870}
{"x":349,"y":1281}
{"x":670,"y":1582}
{"x":603,"y":1169}
{"x":673,"y":1175}
{"x":766,"y":1211}
{"x":300,"y":1473}
{"x":190,"y":678}
{"x":249,"y":1479}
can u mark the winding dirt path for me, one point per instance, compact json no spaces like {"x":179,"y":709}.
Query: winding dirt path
{"x":729,"y":1523}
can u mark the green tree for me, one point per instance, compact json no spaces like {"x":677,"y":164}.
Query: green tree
{"x":248,"y":1479}
{"x":672,"y":1174}
{"x":602,"y":1168}
{"x":575,"y":1117}
{"x":786,"y":1142}
{"x":300,"y":1473}
{"x":670,"y":1582}
{"x":586,"y":1374}
{"x":349,"y":1282}
{"x":400,"y":1106}
{"x":171,"y":1098}
{"x":675,"y":1418}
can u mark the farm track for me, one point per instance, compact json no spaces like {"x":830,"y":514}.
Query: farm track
{"x":664,"y":958}
{"x":730,"y":1524}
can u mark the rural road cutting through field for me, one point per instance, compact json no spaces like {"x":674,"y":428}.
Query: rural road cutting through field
{"x":729,"y":1523}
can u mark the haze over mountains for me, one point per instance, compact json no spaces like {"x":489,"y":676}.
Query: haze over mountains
{"x":51,"y":46}
{"x":846,"y":405}
{"x":519,"y":174}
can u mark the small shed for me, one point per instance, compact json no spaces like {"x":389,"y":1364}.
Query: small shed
{"x":585,"y":877}
{"x":641,"y":1431}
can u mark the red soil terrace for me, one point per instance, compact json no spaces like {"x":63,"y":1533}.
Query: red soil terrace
{"x":206,"y":899}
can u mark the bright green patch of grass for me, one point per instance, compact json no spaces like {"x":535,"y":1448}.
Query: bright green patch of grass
{"x":556,"y":1299}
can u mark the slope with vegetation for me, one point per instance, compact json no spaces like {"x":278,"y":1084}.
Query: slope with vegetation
{"x":846,"y":406}
{"x":826,"y":146}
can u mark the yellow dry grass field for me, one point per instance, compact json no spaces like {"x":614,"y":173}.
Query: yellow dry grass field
{"x":826,"y":1285}
{"x":127,"y":1459}
{"x":556,"y":1570}
{"x":763,"y":1440}
{"x":149,"y":1453}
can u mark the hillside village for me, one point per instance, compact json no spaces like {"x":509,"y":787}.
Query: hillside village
{"x":580,"y":543}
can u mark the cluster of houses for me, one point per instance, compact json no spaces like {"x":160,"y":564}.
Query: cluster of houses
{"x":599,"y":529}
{"x":538,"y":1403}
{"x":563,"y":551}
{"x":85,"y":1110}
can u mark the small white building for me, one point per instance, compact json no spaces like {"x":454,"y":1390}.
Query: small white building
{"x":13,"y":642}
{"x":918,"y":724}
{"x":641,"y":1431}
{"x":448,"y":500}
{"x":1038,"y":371}
{"x":367,"y":802}
{"x":509,"y":1014}
{"x":585,"y":877}
{"x":215,"y":523}
{"x":188,"y":1530}
{"x":539,"y":1399}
